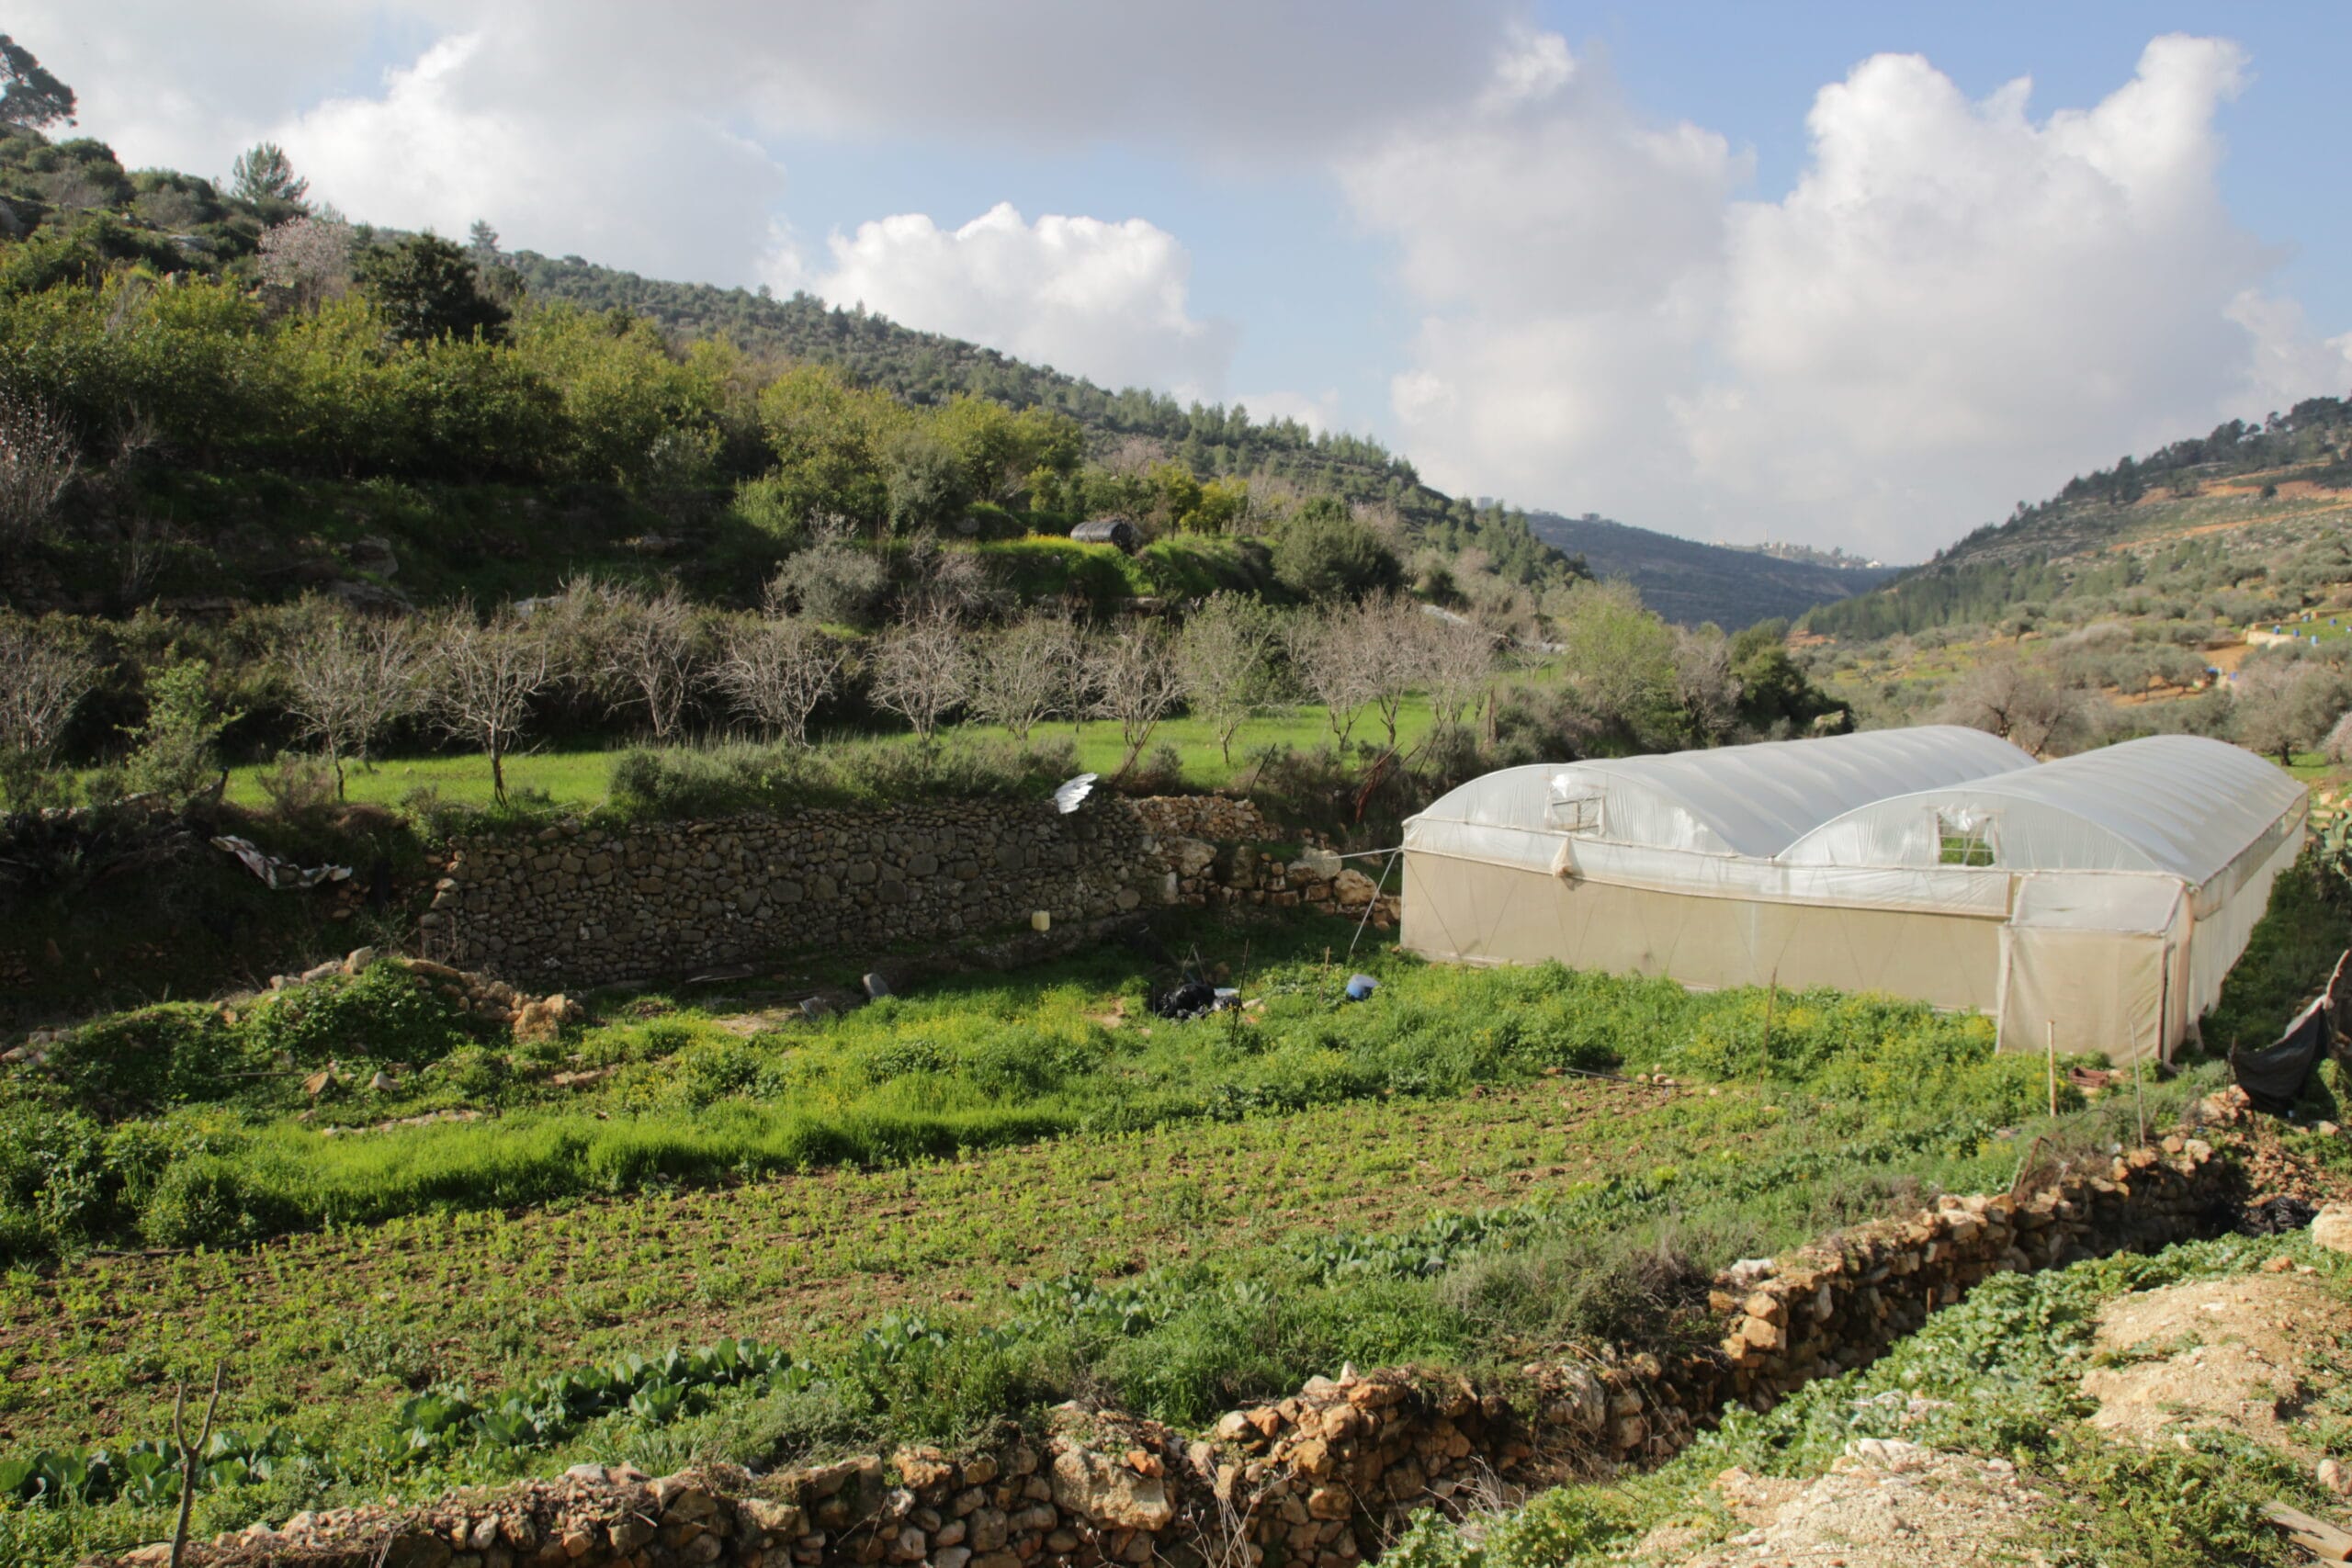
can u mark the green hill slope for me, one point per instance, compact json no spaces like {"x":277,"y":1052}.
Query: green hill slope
{"x":1689,"y":582}
{"x":928,"y":368}
{"x":2202,"y":519}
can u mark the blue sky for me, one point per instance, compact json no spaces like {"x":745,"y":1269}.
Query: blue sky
{"x":1584,"y":257}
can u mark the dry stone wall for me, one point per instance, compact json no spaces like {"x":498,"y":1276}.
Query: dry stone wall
{"x":1314,"y":1481}
{"x":577,"y":905}
{"x":1224,"y":818}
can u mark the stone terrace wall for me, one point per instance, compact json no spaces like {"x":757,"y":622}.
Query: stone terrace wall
{"x":1318,"y":1479}
{"x":579,"y":906}
{"x":1217,"y":817}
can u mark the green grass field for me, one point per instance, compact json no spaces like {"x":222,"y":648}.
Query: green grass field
{"x":1443,"y":1213}
{"x":579,"y":778}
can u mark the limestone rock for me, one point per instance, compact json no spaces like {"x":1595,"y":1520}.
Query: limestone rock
{"x":1190,"y":856}
{"x":2332,"y":1228}
{"x":1092,"y":1486}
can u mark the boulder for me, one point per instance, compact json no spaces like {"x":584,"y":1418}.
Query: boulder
{"x":2332,"y":1228}
{"x":1190,"y":857}
{"x":1093,"y":1487}
{"x":1352,"y":888}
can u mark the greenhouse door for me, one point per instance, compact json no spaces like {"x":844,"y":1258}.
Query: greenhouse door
{"x":2085,"y":965}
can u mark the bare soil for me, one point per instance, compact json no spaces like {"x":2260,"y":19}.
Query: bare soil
{"x":1885,"y":1504}
{"x":2241,"y":1354}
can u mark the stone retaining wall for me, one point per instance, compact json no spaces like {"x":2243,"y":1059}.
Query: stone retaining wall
{"x":1320,"y":1478}
{"x":578,"y":906}
{"x":1217,"y":816}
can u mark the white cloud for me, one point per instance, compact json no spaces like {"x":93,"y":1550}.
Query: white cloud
{"x":1106,"y":300}
{"x":1956,"y":306}
{"x":655,"y":188}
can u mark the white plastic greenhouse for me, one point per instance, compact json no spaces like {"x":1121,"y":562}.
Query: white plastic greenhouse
{"x":2098,"y":901}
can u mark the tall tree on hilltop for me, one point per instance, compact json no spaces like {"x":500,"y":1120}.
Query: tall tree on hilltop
{"x":33,"y":97}
{"x":263,"y":173}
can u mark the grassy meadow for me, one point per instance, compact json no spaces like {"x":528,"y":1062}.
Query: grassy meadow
{"x":580,"y":778}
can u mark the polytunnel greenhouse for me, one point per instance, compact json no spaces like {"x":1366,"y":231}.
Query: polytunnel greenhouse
{"x":2096,"y":903}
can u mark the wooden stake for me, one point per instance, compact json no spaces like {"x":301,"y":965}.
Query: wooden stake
{"x":2049,"y":1034}
{"x":2139,"y":1096}
{"x":1771,"y":999}
{"x":190,"y":1455}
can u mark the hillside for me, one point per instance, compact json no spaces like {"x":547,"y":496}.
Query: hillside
{"x":1689,"y":582}
{"x":2246,"y":508}
{"x":929,"y":369}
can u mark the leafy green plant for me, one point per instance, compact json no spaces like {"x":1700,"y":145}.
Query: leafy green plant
{"x":384,"y":1012}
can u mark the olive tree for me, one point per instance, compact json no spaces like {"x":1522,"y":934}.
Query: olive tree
{"x":2022,"y":705}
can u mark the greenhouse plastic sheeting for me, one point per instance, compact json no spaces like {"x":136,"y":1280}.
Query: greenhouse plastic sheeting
{"x":1734,"y":800}
{"x":2177,"y":804}
{"x":2123,"y":884}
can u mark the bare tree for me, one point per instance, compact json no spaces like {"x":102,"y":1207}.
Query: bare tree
{"x":38,"y":457}
{"x":309,"y":258}
{"x":777,"y":671}
{"x":484,"y":675}
{"x":943,"y":579}
{"x":920,"y":671}
{"x":347,"y":678}
{"x":49,"y":673}
{"x":2021,"y":706}
{"x":1080,"y":683}
{"x":1025,"y":673}
{"x":1334,"y":664}
{"x":651,"y":649}
{"x":1228,"y":651}
{"x":1394,"y":638}
{"x":1141,"y":683}
{"x":1461,"y":666}
{"x":1703,"y":682}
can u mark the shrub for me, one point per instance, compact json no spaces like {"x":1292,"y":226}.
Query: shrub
{"x":1323,"y":553}
{"x":173,"y":1054}
{"x":769,"y":505}
{"x":384,"y":1011}
{"x":833,"y":581}
{"x":213,"y":1199}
